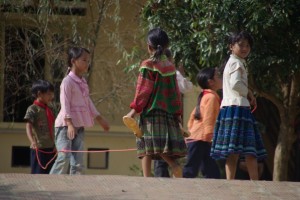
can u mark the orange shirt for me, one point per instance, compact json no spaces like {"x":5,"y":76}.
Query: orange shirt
{"x":209,"y":109}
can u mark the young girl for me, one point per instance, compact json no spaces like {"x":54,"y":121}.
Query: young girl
{"x":184,"y":86}
{"x":236,"y":132}
{"x":158,"y":102}
{"x":77,"y":111}
{"x":201,"y":126}
{"x":39,"y":127}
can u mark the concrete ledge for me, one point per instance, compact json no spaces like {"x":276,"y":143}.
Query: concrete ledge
{"x":27,"y":186}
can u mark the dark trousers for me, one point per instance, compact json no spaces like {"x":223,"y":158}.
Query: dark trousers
{"x":161,"y":168}
{"x":198,"y":158}
{"x":44,"y":159}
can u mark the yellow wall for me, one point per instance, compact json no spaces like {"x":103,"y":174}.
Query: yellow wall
{"x":117,"y":139}
{"x":11,"y":136}
{"x":106,"y":74}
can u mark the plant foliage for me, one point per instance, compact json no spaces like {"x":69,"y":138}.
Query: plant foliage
{"x":199,"y":28}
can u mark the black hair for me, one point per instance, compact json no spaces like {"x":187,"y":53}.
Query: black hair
{"x":168,"y":53}
{"x":202,"y":78}
{"x":42,"y":86}
{"x":74,"y":53}
{"x":236,"y":37}
{"x":159,"y":41}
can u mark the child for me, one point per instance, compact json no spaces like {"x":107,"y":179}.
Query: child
{"x":185,"y":86}
{"x":77,"y":111}
{"x":158,"y":102}
{"x":201,"y":126}
{"x":236,"y":132}
{"x":39,"y":128}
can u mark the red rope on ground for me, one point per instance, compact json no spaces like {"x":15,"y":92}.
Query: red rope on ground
{"x":69,"y":151}
{"x":38,"y":159}
{"x":98,"y":151}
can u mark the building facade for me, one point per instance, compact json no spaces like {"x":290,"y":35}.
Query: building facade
{"x":34,"y":36}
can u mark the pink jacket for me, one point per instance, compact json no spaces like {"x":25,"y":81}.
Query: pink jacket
{"x":75,"y":103}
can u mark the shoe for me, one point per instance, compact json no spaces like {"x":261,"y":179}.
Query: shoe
{"x":184,"y":132}
{"x":132,"y":125}
{"x":177,"y":171}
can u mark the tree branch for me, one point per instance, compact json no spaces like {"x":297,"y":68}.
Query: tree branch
{"x":276,"y":101}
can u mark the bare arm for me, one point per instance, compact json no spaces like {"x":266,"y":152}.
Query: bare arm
{"x":251,"y":98}
{"x":103,"y":122}
{"x":71,"y":129}
{"x":33,"y":144}
{"x":132,"y":113}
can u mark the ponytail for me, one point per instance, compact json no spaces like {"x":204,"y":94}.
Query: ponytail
{"x":75,"y":53}
{"x":158,"y":53}
{"x":202,"y":78}
{"x":68,"y":71}
{"x":159,"y":41}
{"x":197,"y":114}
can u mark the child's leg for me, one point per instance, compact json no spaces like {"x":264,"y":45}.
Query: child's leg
{"x":194,"y":159}
{"x":252,"y":167}
{"x":33,"y":162}
{"x":230,"y":166}
{"x":76,"y":162}
{"x":62,"y":161}
{"x":161,"y":168}
{"x":146,"y":166}
{"x":176,"y":169}
{"x":209,"y":166}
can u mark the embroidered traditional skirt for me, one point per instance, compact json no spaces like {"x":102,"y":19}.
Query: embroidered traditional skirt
{"x":236,"y":132}
{"x":161,"y":135}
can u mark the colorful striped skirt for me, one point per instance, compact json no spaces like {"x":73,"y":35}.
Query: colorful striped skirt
{"x":236,"y":132}
{"x":162,"y":135}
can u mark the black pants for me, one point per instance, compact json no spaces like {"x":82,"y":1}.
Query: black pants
{"x":44,"y":159}
{"x":161,"y":168}
{"x":198,"y":158}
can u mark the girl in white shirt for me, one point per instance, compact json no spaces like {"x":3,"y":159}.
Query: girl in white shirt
{"x":236,"y":133}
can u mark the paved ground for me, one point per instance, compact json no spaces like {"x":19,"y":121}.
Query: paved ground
{"x":64,"y":187}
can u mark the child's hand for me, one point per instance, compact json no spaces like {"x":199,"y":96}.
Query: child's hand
{"x":131,"y":113}
{"x":252,"y":99}
{"x":33,"y":145}
{"x":103,"y":122}
{"x":71,"y":132}
{"x":253,"y":102}
{"x":181,"y":69}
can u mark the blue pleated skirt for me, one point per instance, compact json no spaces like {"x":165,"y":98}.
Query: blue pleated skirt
{"x":236,"y":132}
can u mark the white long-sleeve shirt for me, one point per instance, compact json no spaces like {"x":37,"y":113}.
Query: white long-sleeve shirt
{"x":235,"y":83}
{"x":183,"y":84}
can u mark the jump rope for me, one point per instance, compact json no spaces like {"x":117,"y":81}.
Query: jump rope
{"x":93,"y":151}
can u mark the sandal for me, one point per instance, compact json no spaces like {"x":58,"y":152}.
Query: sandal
{"x":132,"y":125}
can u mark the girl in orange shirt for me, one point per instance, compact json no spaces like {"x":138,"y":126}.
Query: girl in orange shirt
{"x":201,"y":126}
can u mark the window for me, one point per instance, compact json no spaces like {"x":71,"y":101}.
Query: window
{"x":24,"y":63}
{"x":97,"y":160}
{"x":20,"y":156}
{"x":31,"y":53}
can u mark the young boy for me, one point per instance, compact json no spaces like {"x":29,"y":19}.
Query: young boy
{"x":39,"y":128}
